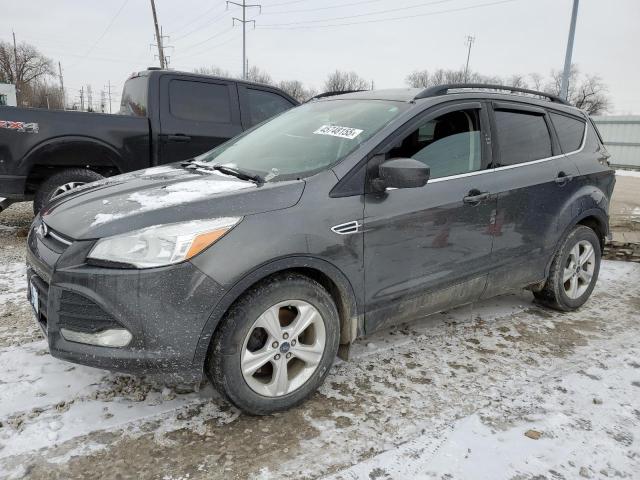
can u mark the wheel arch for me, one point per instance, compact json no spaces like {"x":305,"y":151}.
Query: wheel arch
{"x":593,"y":218}
{"x":325,"y":273}
{"x":59,"y":153}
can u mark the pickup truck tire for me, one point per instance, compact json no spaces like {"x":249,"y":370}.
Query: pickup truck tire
{"x":285,"y":327}
{"x":69,"y":178}
{"x":574,"y":271}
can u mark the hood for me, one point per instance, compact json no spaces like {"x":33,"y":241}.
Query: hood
{"x":161,"y":195}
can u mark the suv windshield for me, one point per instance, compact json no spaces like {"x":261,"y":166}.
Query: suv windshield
{"x":307,"y":138}
{"x":134,"y":97}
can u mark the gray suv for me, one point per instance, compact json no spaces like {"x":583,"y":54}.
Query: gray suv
{"x":256,"y":261}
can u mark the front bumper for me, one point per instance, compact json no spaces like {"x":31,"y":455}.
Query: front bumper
{"x":165,"y":309}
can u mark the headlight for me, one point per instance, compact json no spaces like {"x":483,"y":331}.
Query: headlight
{"x":162,"y":244}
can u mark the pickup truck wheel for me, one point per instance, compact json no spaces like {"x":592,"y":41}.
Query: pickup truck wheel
{"x":276,"y":344}
{"x":574,"y":271}
{"x":62,"y":182}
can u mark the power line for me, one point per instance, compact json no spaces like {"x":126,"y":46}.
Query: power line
{"x":202,"y":27}
{"x":359,"y":15}
{"x":109,"y":25}
{"x":196,"y":19}
{"x":343,"y":5}
{"x":219,"y":34}
{"x":417,"y":15}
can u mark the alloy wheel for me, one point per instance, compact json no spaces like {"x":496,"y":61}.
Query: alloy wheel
{"x":283,"y":348}
{"x":579,"y":269}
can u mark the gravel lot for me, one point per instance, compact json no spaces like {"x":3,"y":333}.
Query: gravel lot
{"x":500,"y":389}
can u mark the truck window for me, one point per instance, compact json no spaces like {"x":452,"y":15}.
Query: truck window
{"x":199,"y":101}
{"x":134,"y":97}
{"x":522,"y":137}
{"x":263,"y":105}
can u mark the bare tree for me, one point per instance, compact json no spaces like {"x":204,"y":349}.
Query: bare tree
{"x":424,"y":79}
{"x":340,"y":81}
{"x":213,"y":71}
{"x":296,"y":89}
{"x":30,"y":66}
{"x":536,"y":81}
{"x":588,"y":93}
{"x":41,"y":94}
{"x":517,"y":81}
{"x":419,"y":79}
{"x":259,"y":76}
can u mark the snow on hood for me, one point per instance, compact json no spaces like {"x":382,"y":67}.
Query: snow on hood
{"x":167,"y":194}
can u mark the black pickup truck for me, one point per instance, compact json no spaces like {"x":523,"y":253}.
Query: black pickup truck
{"x":165,"y":116}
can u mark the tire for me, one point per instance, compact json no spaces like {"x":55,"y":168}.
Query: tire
{"x":60,"y":179}
{"x":558,"y":292}
{"x":240,"y":339}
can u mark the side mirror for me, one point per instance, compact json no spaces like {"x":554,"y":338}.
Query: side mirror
{"x":404,"y":173}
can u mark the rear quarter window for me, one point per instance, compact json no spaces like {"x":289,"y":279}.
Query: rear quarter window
{"x":522,"y":137}
{"x":264,"y":105}
{"x":570,"y":131}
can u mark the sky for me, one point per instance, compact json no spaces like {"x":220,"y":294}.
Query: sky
{"x":102,"y":42}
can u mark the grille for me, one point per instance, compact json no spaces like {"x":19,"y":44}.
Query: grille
{"x":83,"y":315}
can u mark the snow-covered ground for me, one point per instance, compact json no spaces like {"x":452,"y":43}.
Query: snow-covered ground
{"x":628,"y":173}
{"x":502,"y":389}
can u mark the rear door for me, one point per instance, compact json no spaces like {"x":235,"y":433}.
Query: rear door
{"x":429,"y":248}
{"x":196,"y":115}
{"x":260,"y":104}
{"x":533,"y":181}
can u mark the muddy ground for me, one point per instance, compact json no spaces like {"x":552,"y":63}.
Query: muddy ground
{"x":500,"y":389}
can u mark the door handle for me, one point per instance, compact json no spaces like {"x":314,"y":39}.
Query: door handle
{"x":474,"y":197}
{"x":562,"y":179}
{"x":178,"y":138}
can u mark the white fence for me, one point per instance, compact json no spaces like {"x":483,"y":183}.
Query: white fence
{"x":621,"y":135}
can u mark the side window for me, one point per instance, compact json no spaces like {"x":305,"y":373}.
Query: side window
{"x":199,"y":101}
{"x":522,"y":137}
{"x":263,"y":105}
{"x":570,"y":131}
{"x":448,"y":144}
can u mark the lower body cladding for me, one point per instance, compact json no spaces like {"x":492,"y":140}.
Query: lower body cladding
{"x":134,"y":321}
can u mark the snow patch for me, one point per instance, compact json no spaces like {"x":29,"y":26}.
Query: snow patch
{"x":628,"y":173}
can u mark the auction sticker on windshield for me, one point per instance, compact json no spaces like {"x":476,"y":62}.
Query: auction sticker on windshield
{"x":337,"y":131}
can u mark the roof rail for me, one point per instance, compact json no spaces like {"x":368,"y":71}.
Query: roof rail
{"x":333,"y":94}
{"x":444,"y":89}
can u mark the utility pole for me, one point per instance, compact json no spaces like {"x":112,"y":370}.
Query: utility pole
{"x":103,"y":100}
{"x":108,"y":87}
{"x":82,"y":99}
{"x":244,"y":22}
{"x":564,"y":86}
{"x":15,"y":62}
{"x":64,"y":100}
{"x":468,"y":41}
{"x":89,"y":99}
{"x":158,"y":36}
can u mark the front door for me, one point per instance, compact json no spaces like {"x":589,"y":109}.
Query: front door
{"x":429,"y":248}
{"x":196,"y":116}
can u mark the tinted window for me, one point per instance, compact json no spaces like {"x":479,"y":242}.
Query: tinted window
{"x":199,"y":101}
{"x":134,"y":97}
{"x":522,"y":137}
{"x":570,"y":131}
{"x":3,"y":99}
{"x":449,"y":144}
{"x":263,"y":105}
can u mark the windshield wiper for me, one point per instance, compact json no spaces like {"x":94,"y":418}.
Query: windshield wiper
{"x":239,"y":173}
{"x":236,"y":172}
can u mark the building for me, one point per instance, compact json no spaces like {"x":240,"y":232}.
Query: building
{"x":621,"y":135}
{"x":8,"y":94}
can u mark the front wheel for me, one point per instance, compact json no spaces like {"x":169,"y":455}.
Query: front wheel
{"x":574,"y":271}
{"x":276,"y":344}
{"x":61,"y":182}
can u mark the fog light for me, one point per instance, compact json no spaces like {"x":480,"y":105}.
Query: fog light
{"x":114,"y":337}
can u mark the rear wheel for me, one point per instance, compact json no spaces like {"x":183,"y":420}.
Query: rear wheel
{"x":275,"y":345}
{"x":574,"y":271}
{"x":62,"y":182}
